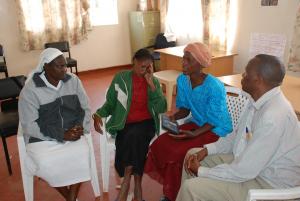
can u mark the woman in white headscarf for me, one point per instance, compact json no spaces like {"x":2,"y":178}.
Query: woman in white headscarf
{"x":54,"y":114}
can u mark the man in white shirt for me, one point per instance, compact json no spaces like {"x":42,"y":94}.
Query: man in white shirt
{"x":262,"y":152}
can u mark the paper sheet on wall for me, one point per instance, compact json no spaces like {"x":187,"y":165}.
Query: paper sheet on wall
{"x":263,"y":43}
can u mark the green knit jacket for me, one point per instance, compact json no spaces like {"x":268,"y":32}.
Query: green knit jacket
{"x":118,"y":101}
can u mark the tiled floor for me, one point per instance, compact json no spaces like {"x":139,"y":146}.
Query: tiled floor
{"x":11,"y":188}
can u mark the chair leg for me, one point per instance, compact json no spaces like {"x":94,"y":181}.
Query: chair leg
{"x":6,"y":155}
{"x":154,"y":66}
{"x":76,"y":69}
{"x":27,"y":176}
{"x":6,"y":74}
{"x":169,"y":95}
{"x":94,"y":174}
{"x":105,"y":172}
{"x":28,"y":186}
{"x":105,"y":162}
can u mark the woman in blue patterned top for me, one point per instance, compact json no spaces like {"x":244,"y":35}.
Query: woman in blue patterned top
{"x":207,"y":104}
{"x":204,"y":97}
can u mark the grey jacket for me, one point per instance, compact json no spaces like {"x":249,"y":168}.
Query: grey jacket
{"x":46,"y":113}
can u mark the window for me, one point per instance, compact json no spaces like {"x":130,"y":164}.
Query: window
{"x":103,"y":12}
{"x":210,"y":21}
{"x":184,"y":20}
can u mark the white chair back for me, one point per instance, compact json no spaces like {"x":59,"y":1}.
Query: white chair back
{"x":236,"y":102}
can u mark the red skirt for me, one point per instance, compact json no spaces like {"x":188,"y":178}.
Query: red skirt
{"x":165,"y":158}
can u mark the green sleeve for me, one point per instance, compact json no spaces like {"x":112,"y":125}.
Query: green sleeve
{"x":157,"y":98}
{"x":110,"y":102}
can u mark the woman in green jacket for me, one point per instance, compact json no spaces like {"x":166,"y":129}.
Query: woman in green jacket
{"x":134,"y":100}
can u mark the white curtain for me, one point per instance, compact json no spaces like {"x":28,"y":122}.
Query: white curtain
{"x":218,"y":23}
{"x":163,"y":8}
{"x":42,"y":21}
{"x":212,"y":22}
{"x":184,"y":20}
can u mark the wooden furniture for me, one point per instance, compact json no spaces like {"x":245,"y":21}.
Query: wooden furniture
{"x":171,"y":59}
{"x":168,"y":78}
{"x":290,"y":88}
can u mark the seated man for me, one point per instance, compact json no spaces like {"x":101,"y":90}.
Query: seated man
{"x":264,"y":150}
{"x":54,"y":114}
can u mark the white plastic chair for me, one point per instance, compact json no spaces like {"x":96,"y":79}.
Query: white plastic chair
{"x":168,"y":78}
{"x":274,"y":194}
{"x":107,"y":145}
{"x":27,"y":177}
{"x":236,"y":102}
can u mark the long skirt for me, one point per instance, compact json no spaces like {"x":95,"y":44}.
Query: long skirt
{"x":132,"y":143}
{"x":60,"y":164}
{"x":165,"y":158}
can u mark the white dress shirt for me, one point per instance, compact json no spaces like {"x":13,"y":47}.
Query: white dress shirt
{"x":269,"y":149}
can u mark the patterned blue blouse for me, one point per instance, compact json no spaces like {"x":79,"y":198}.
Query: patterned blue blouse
{"x":207,"y":103}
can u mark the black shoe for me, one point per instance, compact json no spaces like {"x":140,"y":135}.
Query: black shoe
{"x":164,"y":198}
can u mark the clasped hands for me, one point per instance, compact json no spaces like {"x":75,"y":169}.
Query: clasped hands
{"x":74,"y":133}
{"x":192,"y":161}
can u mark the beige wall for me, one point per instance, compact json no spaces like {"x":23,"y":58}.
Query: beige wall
{"x":110,"y":46}
{"x":271,"y":19}
{"x":106,"y":45}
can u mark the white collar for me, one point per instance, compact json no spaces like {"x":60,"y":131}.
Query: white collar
{"x":266,"y":97}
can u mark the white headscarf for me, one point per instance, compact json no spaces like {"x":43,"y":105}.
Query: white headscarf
{"x":46,"y":57}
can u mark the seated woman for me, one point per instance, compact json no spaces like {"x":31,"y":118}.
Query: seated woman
{"x":134,"y":101}
{"x":204,"y":97}
{"x":54,"y":114}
